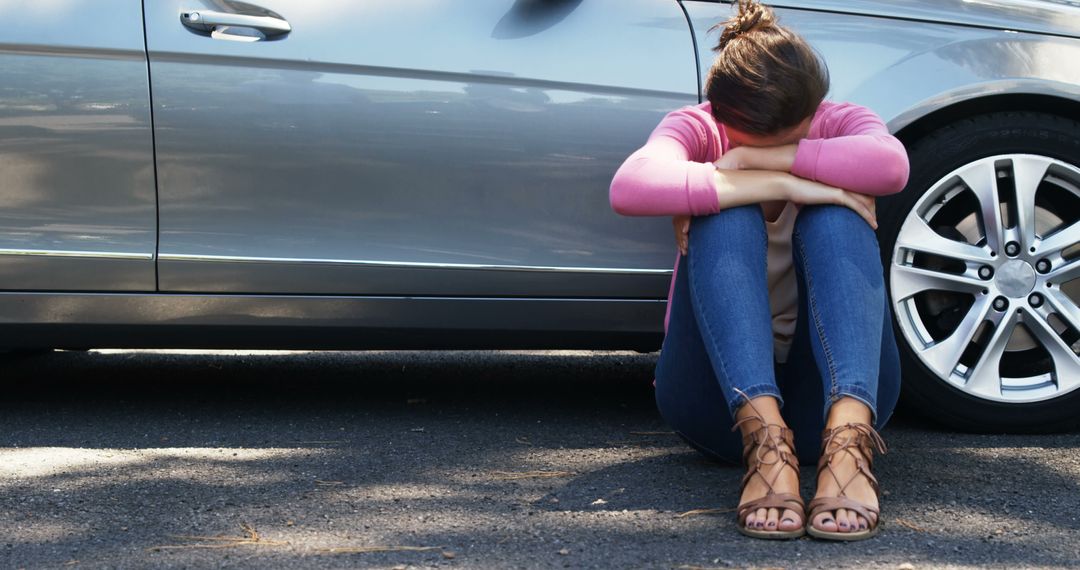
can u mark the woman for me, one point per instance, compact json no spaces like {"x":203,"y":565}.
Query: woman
{"x":778,"y":298}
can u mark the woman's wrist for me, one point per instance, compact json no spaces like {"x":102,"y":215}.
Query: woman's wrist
{"x":741,"y":187}
{"x":785,"y":185}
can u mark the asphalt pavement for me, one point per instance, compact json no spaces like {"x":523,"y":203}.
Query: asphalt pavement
{"x":122,"y":459}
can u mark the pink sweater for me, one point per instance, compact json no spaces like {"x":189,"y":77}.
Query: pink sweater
{"x":848,"y":146}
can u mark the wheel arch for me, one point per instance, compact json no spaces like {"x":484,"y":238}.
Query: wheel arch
{"x":1055,"y":104}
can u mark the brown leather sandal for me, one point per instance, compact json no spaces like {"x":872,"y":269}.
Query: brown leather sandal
{"x":840,"y":440}
{"x":756,"y":446}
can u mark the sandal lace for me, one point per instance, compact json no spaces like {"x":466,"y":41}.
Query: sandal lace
{"x":841,"y":440}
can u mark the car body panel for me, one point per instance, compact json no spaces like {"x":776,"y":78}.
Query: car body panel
{"x":905,"y":69}
{"x":82,"y":320}
{"x":76,"y":148}
{"x":1057,"y":17}
{"x":470,"y":156}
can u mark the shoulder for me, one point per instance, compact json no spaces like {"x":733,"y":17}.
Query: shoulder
{"x":838,"y":118}
{"x":696,"y":117}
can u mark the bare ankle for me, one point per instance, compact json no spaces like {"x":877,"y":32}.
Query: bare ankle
{"x":757,"y":412}
{"x":848,"y":410}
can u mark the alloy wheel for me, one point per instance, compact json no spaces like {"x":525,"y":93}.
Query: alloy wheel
{"x":985,"y":278}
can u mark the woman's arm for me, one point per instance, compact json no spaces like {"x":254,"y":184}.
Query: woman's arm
{"x":729,"y":189}
{"x":855,"y":152}
{"x":671,"y":174}
{"x":665,"y":177}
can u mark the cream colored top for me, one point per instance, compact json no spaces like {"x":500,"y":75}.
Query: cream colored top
{"x":781,"y":280}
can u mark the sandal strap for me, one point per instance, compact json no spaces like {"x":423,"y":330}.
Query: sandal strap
{"x":865,"y":438}
{"x":840,"y":439}
{"x":780,"y":501}
{"x":775,"y":432}
{"x":831,"y":504}
{"x":862,"y":468}
{"x":758,"y":443}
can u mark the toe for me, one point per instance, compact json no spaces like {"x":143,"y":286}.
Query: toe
{"x":759,"y":520}
{"x":772,"y":519}
{"x":853,"y":521}
{"x":826,"y":521}
{"x":790,"y":520}
{"x":842,"y":520}
{"x":863,"y":524}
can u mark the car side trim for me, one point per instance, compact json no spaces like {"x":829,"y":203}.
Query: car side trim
{"x":69,"y":253}
{"x":82,"y":52}
{"x":411,"y":264}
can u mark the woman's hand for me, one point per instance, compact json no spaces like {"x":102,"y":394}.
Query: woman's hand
{"x":730,"y":160}
{"x":803,"y":191}
{"x":682,"y":233}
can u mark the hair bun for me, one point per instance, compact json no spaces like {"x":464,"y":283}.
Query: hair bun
{"x":752,"y":16}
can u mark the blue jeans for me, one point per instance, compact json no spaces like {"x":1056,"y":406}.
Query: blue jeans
{"x":720,"y":337}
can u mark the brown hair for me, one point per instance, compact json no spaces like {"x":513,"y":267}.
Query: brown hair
{"x":765,"y":78}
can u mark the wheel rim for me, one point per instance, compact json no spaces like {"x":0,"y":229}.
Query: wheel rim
{"x":985,"y":278}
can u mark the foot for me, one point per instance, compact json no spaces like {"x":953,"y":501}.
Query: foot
{"x":784,"y":479}
{"x":840,"y":476}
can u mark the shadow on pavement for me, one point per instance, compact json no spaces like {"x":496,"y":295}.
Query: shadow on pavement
{"x":499,"y":459}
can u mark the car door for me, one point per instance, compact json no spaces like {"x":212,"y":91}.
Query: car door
{"x":77,"y":203}
{"x":413,"y":147}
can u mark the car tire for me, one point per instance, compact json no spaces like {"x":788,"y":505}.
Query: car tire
{"x":1033,"y":385}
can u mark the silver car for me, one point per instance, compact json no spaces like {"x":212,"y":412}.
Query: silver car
{"x":434,"y":174}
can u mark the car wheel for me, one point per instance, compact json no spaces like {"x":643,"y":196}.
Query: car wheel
{"x":983,"y":258}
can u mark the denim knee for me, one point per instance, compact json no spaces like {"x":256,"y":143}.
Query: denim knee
{"x":840,"y":231}
{"x":728,"y":227}
{"x":831,"y":218}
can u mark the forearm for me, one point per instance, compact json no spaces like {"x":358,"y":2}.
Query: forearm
{"x":653,"y":187}
{"x":853,"y":149}
{"x":867,"y":164}
{"x":742,"y":187}
{"x":862,"y":164}
{"x":774,"y":158}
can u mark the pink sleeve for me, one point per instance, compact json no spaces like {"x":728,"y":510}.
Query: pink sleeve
{"x":671,"y":174}
{"x":855,"y":152}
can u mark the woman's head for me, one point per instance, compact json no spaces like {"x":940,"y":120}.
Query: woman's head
{"x":766,"y":80}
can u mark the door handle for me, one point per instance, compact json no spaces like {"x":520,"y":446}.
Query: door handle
{"x":209,"y":22}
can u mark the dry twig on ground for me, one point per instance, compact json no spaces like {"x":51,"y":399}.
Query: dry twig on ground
{"x":910,"y":525}
{"x":252,"y":539}
{"x":696,"y":512}
{"x":511,"y":475}
{"x":364,"y":549}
